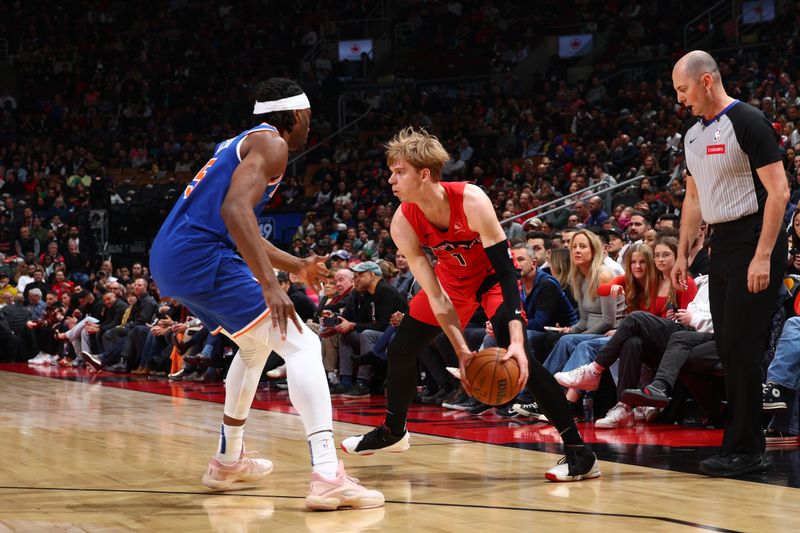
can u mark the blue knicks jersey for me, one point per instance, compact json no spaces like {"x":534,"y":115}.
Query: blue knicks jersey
{"x":193,"y":238}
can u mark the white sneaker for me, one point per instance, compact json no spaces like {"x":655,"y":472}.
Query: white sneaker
{"x":619,"y":416}
{"x":583,"y":378}
{"x":53,"y":360}
{"x":277,"y":373}
{"x":40,"y":359}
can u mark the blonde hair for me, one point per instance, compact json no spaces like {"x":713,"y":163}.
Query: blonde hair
{"x":420,"y":149}
{"x":638,"y":297}
{"x":560,"y":265}
{"x":576,"y":277}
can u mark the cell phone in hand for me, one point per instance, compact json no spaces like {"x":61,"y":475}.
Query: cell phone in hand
{"x":330,"y":321}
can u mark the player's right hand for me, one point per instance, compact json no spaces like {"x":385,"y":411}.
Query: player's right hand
{"x":464,"y":359}
{"x":679,"y":273}
{"x":281,"y":308}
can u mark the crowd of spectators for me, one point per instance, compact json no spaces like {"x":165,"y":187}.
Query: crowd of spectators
{"x":109,"y":87}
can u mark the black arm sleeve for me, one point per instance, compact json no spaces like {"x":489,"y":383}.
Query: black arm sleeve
{"x":500,"y":256}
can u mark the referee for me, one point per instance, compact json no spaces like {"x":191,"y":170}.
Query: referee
{"x":736,"y":182}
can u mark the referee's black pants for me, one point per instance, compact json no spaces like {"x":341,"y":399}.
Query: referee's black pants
{"x":741,"y":325}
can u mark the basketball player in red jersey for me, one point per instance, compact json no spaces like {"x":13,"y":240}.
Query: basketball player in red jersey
{"x":457,"y":221}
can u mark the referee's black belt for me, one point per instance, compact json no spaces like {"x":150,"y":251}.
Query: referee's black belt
{"x":735,"y":226}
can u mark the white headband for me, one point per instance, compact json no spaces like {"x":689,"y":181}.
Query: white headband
{"x":284,"y":104}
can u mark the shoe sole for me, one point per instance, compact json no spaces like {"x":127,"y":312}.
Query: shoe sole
{"x":535,"y":416}
{"x":398,"y":447}
{"x":779,"y":406}
{"x":321,"y":503}
{"x":235,"y":483}
{"x":593,"y":474}
{"x":615,"y":426}
{"x":640,"y":400}
{"x":788,"y":442}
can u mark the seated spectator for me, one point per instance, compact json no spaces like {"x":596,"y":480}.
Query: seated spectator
{"x":5,"y":287}
{"x":44,"y":328}
{"x":302,"y":303}
{"x":364,"y":320}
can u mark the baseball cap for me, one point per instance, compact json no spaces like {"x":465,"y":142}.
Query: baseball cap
{"x":367,"y":266}
{"x":535,"y":222}
{"x":341,"y":254}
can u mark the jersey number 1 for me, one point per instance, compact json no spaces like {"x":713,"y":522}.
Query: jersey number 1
{"x":460,"y":259}
{"x":198,"y":178}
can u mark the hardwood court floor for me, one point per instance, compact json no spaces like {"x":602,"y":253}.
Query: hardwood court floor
{"x":80,"y":456}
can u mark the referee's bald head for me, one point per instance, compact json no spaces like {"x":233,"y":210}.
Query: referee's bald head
{"x":695,"y":64}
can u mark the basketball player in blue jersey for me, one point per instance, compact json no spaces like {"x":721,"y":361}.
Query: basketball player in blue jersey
{"x":194,"y":259}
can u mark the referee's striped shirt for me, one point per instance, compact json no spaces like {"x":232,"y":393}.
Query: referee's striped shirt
{"x":722,"y":156}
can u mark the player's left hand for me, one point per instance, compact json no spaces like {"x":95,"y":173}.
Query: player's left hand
{"x":517,"y":351}
{"x":313,"y":270}
{"x":758,"y":274}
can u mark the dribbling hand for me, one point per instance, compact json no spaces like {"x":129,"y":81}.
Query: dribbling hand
{"x":281,"y":308}
{"x":518,"y":353}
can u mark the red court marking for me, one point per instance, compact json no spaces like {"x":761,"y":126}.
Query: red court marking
{"x":369,"y":411}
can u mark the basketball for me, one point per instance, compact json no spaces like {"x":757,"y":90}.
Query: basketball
{"x":493,"y":382}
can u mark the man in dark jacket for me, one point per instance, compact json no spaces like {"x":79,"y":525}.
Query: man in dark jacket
{"x":117,"y":341}
{"x":302,"y":303}
{"x":364,"y":320}
{"x":110,"y":317}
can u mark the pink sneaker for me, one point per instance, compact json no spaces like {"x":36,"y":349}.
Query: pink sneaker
{"x":343,"y":491}
{"x":221,"y":476}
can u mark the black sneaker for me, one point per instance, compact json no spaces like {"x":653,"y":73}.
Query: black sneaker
{"x":341,"y":388}
{"x":359,"y":390}
{"x":734,"y":464}
{"x":577,"y":464}
{"x":476,"y":408}
{"x":461,"y":403}
{"x":506,"y":411}
{"x":648,"y":395}
{"x":772,"y":398}
{"x":530,"y":410}
{"x":377,"y":440}
{"x":119,"y":368}
{"x":437,"y":398}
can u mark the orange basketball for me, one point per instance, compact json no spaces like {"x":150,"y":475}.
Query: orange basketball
{"x":493,"y":382}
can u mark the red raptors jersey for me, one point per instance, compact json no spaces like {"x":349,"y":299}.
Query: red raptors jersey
{"x":458,"y":249}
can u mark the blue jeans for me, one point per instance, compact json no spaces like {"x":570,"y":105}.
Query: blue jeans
{"x":785,"y":371}
{"x":585,"y":352}
{"x":563,"y":350}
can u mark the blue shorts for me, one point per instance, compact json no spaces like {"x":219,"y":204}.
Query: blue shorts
{"x":231,"y":300}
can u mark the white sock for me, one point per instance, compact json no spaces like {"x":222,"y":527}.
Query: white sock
{"x":323,"y":454}
{"x":230,"y":443}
